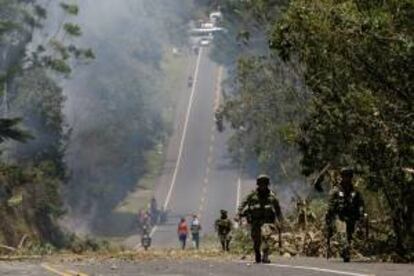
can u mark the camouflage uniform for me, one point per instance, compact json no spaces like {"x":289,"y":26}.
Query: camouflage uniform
{"x":348,"y":206}
{"x":223,"y":227}
{"x":261,"y":209}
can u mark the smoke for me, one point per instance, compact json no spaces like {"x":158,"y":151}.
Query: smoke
{"x":114,"y":104}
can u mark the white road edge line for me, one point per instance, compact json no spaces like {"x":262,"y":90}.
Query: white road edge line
{"x":321,"y":270}
{"x":238,"y":193}
{"x":314,"y":268}
{"x":180,"y":151}
{"x":187,"y":118}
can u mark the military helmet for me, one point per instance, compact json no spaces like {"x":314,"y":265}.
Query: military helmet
{"x":347,"y":171}
{"x":263,"y":179}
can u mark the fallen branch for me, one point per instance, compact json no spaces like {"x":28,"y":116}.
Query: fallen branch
{"x":8,"y":247}
{"x":317,"y":181}
{"x":409,"y":170}
{"x":19,"y":258}
{"x":21,"y":243}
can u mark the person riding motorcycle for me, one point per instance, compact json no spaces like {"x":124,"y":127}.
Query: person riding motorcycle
{"x":145,"y":237}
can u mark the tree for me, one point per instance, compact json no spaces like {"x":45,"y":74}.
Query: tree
{"x":357,"y":57}
{"x":10,"y":131}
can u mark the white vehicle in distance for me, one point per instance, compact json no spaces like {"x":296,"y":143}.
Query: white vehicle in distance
{"x":216,"y":16}
{"x":207,"y":25}
{"x":205,"y":41}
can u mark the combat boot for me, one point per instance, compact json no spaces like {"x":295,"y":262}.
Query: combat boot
{"x":265,"y":258}
{"x":346,"y":255}
{"x":258,"y":257}
{"x":227,"y":245}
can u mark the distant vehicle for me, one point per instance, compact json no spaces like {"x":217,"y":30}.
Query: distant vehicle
{"x":196,"y":50}
{"x":205,"y":42}
{"x":146,"y":241}
{"x":207,"y":25}
{"x":190,"y":81}
{"x":206,"y":31}
{"x":216,"y":16}
{"x":145,"y":238}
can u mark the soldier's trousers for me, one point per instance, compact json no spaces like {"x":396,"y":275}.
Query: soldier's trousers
{"x":346,"y":238}
{"x":225,"y":242}
{"x":347,"y":244}
{"x":261,"y":243}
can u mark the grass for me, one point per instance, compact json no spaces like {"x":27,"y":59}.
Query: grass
{"x":140,"y":198}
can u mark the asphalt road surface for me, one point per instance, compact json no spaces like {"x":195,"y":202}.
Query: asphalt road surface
{"x":198,"y":177}
{"x":283,"y":267}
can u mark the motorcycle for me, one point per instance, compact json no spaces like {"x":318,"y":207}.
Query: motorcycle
{"x":146,"y":241}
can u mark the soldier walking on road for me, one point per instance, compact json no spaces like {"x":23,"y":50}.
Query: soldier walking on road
{"x":348,"y":205}
{"x":223,"y":227}
{"x":261,"y":208}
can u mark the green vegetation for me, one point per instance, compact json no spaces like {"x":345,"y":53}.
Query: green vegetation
{"x":32,"y":173}
{"x":333,"y":88}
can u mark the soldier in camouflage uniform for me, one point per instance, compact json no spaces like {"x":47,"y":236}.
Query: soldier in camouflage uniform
{"x":223,"y":227}
{"x":346,"y":204}
{"x":261,"y":208}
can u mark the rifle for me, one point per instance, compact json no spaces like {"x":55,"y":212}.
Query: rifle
{"x":328,"y":243}
{"x":366,"y":226}
{"x":280,"y":237}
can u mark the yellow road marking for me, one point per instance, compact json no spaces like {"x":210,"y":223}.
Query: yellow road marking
{"x":75,"y":273}
{"x":51,"y":269}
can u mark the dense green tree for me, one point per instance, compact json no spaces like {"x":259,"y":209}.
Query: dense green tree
{"x":30,"y":65}
{"x":354,"y":93}
{"x":358,"y":59}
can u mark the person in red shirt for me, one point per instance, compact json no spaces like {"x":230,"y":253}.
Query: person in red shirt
{"x":182,"y":232}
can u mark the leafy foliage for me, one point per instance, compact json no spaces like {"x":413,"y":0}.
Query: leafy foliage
{"x":9,"y":131}
{"x":32,"y":94}
{"x":354,"y":62}
{"x":72,"y":29}
{"x":71,"y":9}
{"x":358,"y":58}
{"x":265,"y":110}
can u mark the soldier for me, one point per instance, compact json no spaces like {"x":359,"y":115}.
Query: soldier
{"x":348,"y":205}
{"x":261,"y":208}
{"x":218,"y":118}
{"x":223,"y":227}
{"x":301,"y":210}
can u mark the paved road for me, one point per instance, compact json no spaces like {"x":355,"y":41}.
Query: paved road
{"x":284,"y":267}
{"x":198,"y":176}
